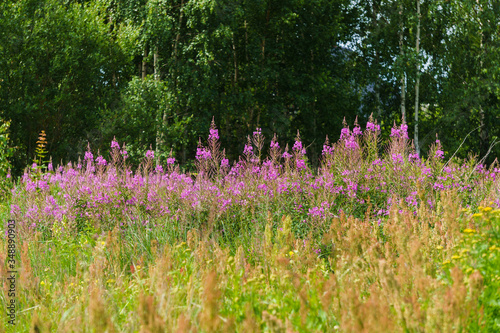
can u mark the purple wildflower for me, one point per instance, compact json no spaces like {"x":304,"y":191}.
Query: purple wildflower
{"x":101,"y":161}
{"x":114,"y":144}
{"x":248,"y":150}
{"x":89,"y":156}
{"x":214,"y":134}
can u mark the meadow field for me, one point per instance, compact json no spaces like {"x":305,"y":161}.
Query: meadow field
{"x":376,"y":239}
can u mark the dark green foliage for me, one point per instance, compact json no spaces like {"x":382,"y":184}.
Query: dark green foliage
{"x":155,"y":73}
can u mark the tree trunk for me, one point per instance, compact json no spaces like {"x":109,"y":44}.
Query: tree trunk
{"x":176,"y":43}
{"x":401,"y":51}
{"x":417,"y":81}
{"x":375,"y":23}
{"x":144,"y":63}
{"x":160,"y":121}
{"x":483,"y":133}
{"x":235,"y":61}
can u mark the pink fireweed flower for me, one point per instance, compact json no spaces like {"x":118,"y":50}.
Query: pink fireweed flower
{"x":214,"y":134}
{"x":34,"y":166}
{"x":438,"y":186}
{"x":89,"y":156}
{"x":404,"y":130}
{"x":257,"y":132}
{"x":372,"y":127}
{"x":413,"y":156}
{"x":114,"y":144}
{"x":275,"y":145}
{"x":170,"y":160}
{"x":397,"y":158}
{"x":224,"y":163}
{"x":203,"y":154}
{"x":42,"y":184}
{"x":439,"y":154}
{"x":50,"y":167}
{"x":411,"y":199}
{"x":297,"y":146}
{"x":327,"y":150}
{"x":401,"y":132}
{"x":101,"y":161}
{"x":248,"y":150}
{"x":357,"y":131}
{"x":287,"y":155}
{"x":150,"y":154}
{"x":350,"y":143}
{"x":316,"y":211}
{"x":345,"y":133}
{"x":159,"y":169}
{"x":301,"y":164}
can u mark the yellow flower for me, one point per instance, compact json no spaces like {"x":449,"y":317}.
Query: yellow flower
{"x":487,"y":209}
{"x":446,"y":262}
{"x":42,"y":283}
{"x":477,"y":215}
{"x":470,"y":269}
{"x":455,"y":257}
{"x":110,"y":281}
{"x":439,"y":247}
{"x":494,"y":247}
{"x":290,"y":253}
{"x":469,"y":231}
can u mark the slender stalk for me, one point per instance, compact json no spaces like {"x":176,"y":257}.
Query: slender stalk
{"x":417,"y":82}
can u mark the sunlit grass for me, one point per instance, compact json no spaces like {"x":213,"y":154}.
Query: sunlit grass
{"x":369,"y":243}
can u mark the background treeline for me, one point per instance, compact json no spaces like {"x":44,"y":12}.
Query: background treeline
{"x":155,"y":72}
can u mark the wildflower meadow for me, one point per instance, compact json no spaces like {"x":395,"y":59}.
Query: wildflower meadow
{"x":375,"y":239}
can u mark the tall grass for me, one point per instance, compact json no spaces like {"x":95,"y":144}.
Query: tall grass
{"x":377,"y":239}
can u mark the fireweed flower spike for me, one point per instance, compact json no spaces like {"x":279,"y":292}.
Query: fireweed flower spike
{"x":345,"y":133}
{"x":214,"y":134}
{"x":88,"y":156}
{"x":114,"y":144}
{"x":203,"y":154}
{"x":439,"y":153}
{"x":101,"y":161}
{"x":327,"y":150}
{"x":399,"y":132}
{"x":372,"y":127}
{"x":248,"y":150}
